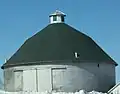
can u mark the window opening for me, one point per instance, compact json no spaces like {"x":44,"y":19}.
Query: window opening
{"x":98,"y":65}
{"x":54,"y":18}
{"x":62,"y":18}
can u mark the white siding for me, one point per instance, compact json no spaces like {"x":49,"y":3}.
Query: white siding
{"x":29,"y":80}
{"x":76,"y":76}
{"x":58,"y":77}
{"x":18,"y":80}
{"x":9,"y":79}
{"x":59,"y":20}
{"x":44,"y":80}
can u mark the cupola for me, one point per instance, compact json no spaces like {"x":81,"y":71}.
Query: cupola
{"x":57,"y":17}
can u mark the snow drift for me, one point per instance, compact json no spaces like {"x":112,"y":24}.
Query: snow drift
{"x":79,"y":92}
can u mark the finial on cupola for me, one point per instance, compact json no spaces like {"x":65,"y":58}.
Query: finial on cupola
{"x":57,"y":17}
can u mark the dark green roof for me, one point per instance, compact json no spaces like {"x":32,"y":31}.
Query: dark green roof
{"x":57,"y":42}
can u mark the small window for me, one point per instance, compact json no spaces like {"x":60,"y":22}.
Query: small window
{"x":62,"y":18}
{"x":98,"y":65}
{"x":18,"y":70}
{"x":54,"y":18}
{"x":76,"y":55}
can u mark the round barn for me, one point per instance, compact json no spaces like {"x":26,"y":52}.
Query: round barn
{"x":59,"y":58}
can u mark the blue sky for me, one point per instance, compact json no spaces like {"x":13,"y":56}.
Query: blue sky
{"x":100,"y":19}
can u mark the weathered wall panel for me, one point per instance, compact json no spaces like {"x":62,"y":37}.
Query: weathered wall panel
{"x":9,"y":79}
{"x":58,"y":77}
{"x":44,"y":80}
{"x":29,"y":80}
{"x":18,"y":80}
{"x":76,"y":76}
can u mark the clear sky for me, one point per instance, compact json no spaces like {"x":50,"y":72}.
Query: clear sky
{"x":100,"y":19}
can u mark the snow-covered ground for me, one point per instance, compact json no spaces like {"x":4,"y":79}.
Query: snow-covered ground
{"x":80,"y":92}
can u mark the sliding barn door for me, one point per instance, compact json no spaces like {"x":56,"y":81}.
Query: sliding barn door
{"x":29,"y":79}
{"x":58,"y":75}
{"x":18,"y":80}
{"x":44,"y":80}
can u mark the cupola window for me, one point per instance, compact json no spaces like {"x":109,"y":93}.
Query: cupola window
{"x":62,"y":19}
{"x":57,"y":17}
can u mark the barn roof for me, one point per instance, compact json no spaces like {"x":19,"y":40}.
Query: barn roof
{"x":57,"y":12}
{"x":58,"y":41}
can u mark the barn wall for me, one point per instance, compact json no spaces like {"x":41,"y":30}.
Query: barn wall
{"x":44,"y":79}
{"x":9,"y":79}
{"x":18,"y":80}
{"x":68,"y":77}
{"x":105,"y":74}
{"x":29,"y":80}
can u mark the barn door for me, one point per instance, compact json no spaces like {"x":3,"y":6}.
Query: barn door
{"x":18,"y":80}
{"x":29,"y":80}
{"x":44,"y":79}
{"x":58,"y":75}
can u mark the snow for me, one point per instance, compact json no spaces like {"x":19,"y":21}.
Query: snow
{"x":80,"y":92}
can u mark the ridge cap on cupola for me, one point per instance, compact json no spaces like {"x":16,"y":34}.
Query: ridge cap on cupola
{"x":57,"y":17}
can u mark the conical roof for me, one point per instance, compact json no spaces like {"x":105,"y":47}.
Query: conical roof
{"x":58,"y":42}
